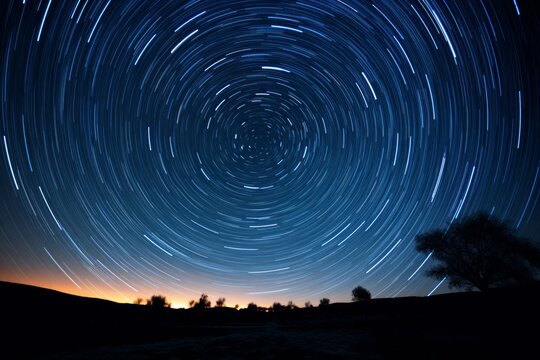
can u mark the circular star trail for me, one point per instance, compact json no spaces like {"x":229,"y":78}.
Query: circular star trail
{"x":259,"y":150}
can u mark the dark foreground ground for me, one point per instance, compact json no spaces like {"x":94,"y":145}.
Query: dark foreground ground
{"x":41,"y":323}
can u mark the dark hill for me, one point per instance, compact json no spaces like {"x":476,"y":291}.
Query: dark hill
{"x":43,"y":323}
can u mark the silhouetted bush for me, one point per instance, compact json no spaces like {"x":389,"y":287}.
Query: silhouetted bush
{"x":480,"y":251}
{"x":158,"y":301}
{"x":220,"y":302}
{"x":138,"y":301}
{"x":360,"y":294}
{"x":324,"y":302}
{"x":203,"y":302}
{"x":277,"y":307}
{"x":291,"y":305}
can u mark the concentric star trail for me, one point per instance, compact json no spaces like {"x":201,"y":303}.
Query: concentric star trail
{"x":259,"y":150}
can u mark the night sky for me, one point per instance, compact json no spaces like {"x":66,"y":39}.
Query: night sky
{"x":259,"y":150}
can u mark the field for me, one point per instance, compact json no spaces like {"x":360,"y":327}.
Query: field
{"x":42,"y":323}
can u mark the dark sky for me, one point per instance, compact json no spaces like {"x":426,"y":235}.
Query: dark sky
{"x":259,"y":150}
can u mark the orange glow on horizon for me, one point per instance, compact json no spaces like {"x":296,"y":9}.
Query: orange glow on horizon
{"x":47,"y":281}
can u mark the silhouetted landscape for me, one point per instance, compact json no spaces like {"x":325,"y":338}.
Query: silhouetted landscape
{"x":498,"y":323}
{"x":479,"y":252}
{"x":308,"y":179}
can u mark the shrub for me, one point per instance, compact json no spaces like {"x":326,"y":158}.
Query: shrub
{"x":360,"y":294}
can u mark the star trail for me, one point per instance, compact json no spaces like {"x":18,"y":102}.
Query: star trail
{"x":259,"y":150}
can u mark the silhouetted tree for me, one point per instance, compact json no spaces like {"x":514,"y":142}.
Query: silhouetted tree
{"x":277,"y":307}
{"x":158,"y":301}
{"x":482,"y":252}
{"x":138,"y":301}
{"x":291,"y":305}
{"x":324,"y":302}
{"x":203,"y":302}
{"x":236,"y":306}
{"x":360,"y":293}
{"x":308,"y":304}
{"x":220,"y":302}
{"x":252,"y":307}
